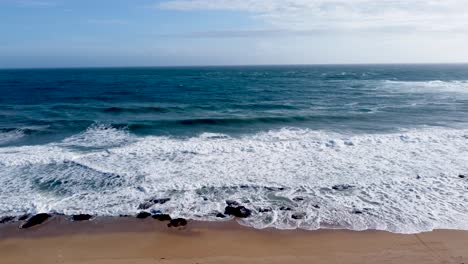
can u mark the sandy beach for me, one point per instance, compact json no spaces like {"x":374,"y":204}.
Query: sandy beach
{"x":129,"y":240}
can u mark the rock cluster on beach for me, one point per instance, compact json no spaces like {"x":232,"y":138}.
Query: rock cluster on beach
{"x":81,"y":217}
{"x":235,"y":209}
{"x":179,"y":222}
{"x":162,"y":217}
{"x":35,"y":220}
{"x":6,"y":219}
{"x":143,"y":215}
{"x":149,"y":203}
{"x":293,"y":207}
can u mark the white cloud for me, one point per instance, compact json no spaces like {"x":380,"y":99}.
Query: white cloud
{"x":417,"y":15}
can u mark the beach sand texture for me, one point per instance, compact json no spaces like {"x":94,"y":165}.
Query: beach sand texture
{"x":129,"y":240}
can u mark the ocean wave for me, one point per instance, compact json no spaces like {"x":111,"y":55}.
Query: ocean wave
{"x":134,"y":110}
{"x":10,"y":136}
{"x":99,"y":136}
{"x":436,"y":86}
{"x":404,"y":182}
{"x":254,"y":120}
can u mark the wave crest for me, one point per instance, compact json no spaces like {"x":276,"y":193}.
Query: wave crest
{"x":99,"y":136}
{"x":7,"y":137}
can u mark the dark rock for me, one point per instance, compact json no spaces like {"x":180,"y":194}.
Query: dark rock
{"x":357,"y":212}
{"x":298,"y":216}
{"x":35,"y":220}
{"x":232,"y":203}
{"x":461,"y":176}
{"x":285,"y":208}
{"x":177,"y":222}
{"x":220,"y":215}
{"x":342,"y":187}
{"x":274,"y":189}
{"x":148,"y":204}
{"x":317,"y":206}
{"x":143,"y":215}
{"x":264,"y":210}
{"x":418,"y":177}
{"x":145,"y":205}
{"x":237,"y":211}
{"x":298,"y":199}
{"x":161,"y":201}
{"x":6,"y":219}
{"x":162,"y":217}
{"x":24,"y":217}
{"x":81,"y":217}
{"x":57,"y":214}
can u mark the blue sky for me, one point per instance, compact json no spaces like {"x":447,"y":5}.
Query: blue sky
{"x":70,"y":33}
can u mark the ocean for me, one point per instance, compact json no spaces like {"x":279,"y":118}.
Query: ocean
{"x":355,"y":147}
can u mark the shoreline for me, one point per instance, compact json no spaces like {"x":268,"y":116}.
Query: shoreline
{"x":131,"y":240}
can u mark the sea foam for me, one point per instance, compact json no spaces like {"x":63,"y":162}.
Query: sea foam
{"x":459,"y":88}
{"x":404,"y":182}
{"x":10,"y":136}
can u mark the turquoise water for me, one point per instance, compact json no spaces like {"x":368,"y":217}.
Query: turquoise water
{"x":104,"y":140}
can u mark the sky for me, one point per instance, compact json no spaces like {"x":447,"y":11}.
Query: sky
{"x":99,"y":33}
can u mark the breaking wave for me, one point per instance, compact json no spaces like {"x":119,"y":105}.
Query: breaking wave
{"x":437,"y":86}
{"x":7,"y":137}
{"x":402,"y":182}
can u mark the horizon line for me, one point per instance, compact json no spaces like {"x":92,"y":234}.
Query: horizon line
{"x":232,"y":65}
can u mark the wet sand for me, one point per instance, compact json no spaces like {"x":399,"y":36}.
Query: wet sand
{"x":130,"y":240}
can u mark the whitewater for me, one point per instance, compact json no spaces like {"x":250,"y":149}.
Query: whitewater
{"x":403,"y":182}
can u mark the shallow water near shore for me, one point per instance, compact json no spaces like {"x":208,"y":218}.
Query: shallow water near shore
{"x":310,"y":147}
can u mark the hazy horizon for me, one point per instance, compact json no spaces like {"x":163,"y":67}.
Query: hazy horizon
{"x":167,"y":33}
{"x":234,"y":65}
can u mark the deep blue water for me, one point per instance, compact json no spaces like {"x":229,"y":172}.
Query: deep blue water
{"x":51,"y":104}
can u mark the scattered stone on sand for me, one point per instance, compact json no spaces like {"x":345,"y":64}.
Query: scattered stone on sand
{"x":342,"y":187}
{"x":143,"y":215}
{"x":177,"y":222}
{"x":162,"y":217}
{"x":149,"y":203}
{"x":161,"y":201}
{"x":265,"y":210}
{"x":237,"y":210}
{"x":232,"y":203}
{"x":221,"y":215}
{"x":6,"y":219}
{"x":274,"y":189}
{"x":298,"y":216}
{"x":81,"y":217}
{"x":35,"y":220}
{"x":145,"y":205}
{"x":24,"y":217}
